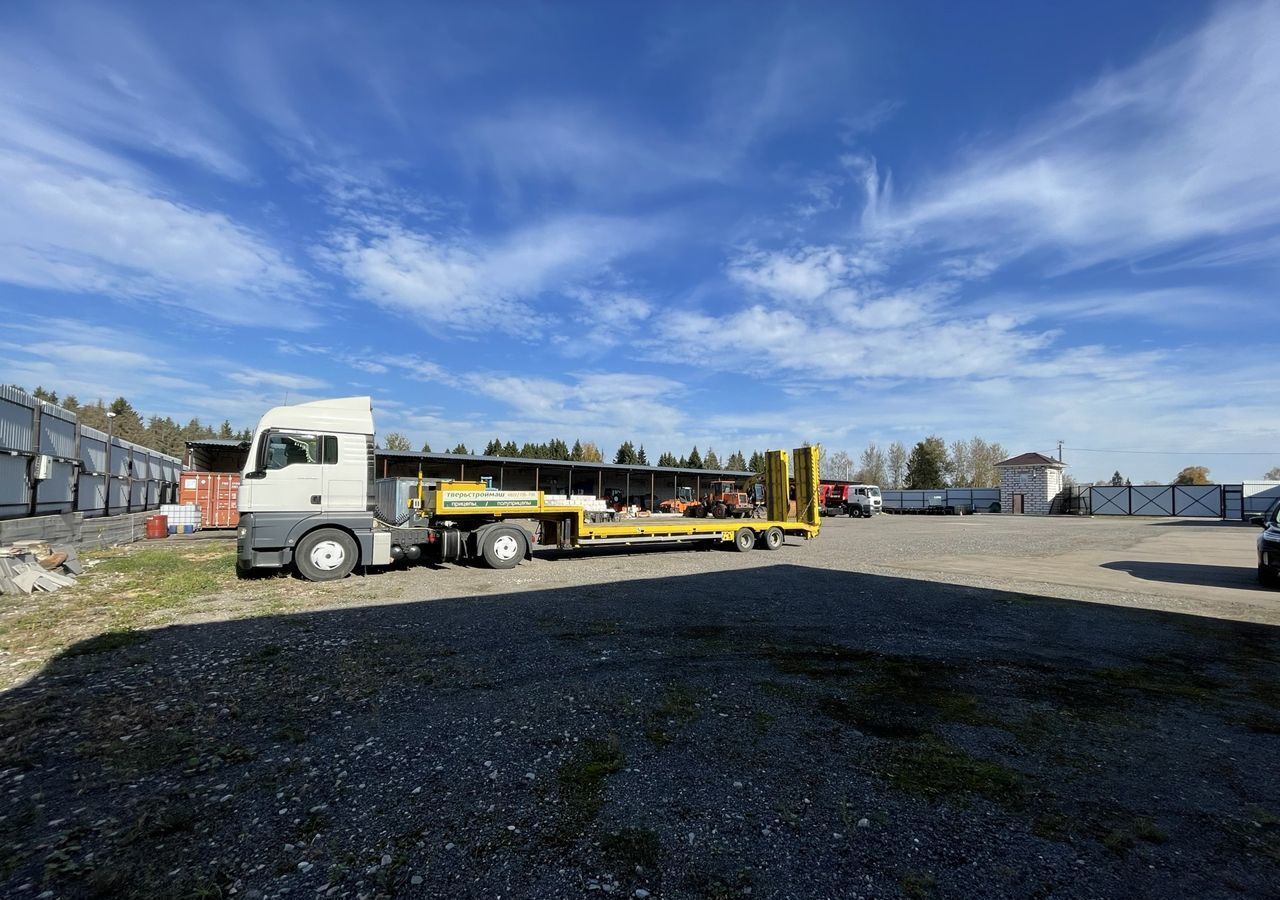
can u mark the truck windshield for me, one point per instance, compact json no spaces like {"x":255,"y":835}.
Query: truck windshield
{"x":873,"y":492}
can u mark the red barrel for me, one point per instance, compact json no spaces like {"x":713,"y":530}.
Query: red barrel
{"x":157,"y":527}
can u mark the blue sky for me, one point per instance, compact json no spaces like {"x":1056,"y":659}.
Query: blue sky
{"x":735,"y":225}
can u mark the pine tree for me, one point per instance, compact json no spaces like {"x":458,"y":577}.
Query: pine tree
{"x":224,"y":430}
{"x":47,"y":396}
{"x":927,"y":465}
{"x":576,"y":453}
{"x":712,"y":461}
{"x":641,"y":459}
{"x":493,"y":448}
{"x":1117,"y":480}
{"x":510,"y":449}
{"x":461,"y":449}
{"x":694,"y":460}
{"x":758,"y":462}
{"x":668,"y":459}
{"x":626,"y":455}
{"x":737,"y":462}
{"x":426,"y":448}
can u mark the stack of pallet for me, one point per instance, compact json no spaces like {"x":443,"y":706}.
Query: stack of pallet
{"x":29,"y":566}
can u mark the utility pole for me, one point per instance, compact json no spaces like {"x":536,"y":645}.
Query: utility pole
{"x":1059,"y":451}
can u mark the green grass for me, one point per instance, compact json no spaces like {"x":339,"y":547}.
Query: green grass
{"x":677,"y":706}
{"x":162,"y":579}
{"x":933,"y":769}
{"x":581,"y":780}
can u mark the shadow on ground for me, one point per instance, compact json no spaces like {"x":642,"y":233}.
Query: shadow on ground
{"x":1190,"y":573}
{"x":770,"y":732}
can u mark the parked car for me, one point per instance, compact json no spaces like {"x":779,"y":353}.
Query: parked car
{"x":1269,"y":546}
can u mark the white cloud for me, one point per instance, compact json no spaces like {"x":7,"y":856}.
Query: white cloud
{"x":473,"y":285}
{"x":77,"y":232}
{"x":1182,"y":146}
{"x":260,"y":377}
{"x":92,"y":78}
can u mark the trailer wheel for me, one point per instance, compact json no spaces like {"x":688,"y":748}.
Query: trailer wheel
{"x":502,"y":548}
{"x":326,"y":554}
{"x":773,"y":538}
{"x":744,"y":539}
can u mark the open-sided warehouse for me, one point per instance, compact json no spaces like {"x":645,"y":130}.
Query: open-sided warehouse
{"x":644,"y":486}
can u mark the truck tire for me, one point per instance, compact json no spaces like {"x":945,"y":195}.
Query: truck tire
{"x":326,"y":554}
{"x":773,"y":538}
{"x":719,"y":511}
{"x":855,"y":512}
{"x":502,"y":548}
{"x":744,"y":539}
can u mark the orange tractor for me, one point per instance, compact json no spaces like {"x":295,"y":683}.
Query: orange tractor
{"x":725,"y":501}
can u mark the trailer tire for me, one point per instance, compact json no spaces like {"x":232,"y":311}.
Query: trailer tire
{"x":744,"y":539}
{"x":503,"y":547}
{"x":773,"y":538}
{"x":326,"y":554}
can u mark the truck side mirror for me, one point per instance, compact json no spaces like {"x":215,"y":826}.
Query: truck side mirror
{"x":1260,"y":521}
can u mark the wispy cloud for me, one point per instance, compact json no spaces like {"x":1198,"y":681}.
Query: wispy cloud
{"x":1182,"y":146}
{"x":75,"y":232}
{"x":475,"y":285}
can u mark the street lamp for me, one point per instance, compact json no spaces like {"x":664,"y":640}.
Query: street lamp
{"x":106,"y":506}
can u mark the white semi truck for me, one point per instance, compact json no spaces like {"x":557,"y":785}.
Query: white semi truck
{"x":307,"y":500}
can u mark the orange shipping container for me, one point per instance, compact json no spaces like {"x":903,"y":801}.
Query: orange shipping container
{"x":216,"y":493}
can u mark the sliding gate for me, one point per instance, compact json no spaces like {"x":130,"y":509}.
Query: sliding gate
{"x":1198,"y":500}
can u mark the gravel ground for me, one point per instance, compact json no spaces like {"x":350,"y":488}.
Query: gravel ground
{"x":815,"y":722}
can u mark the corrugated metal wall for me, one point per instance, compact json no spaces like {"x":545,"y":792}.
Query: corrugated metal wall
{"x":141,"y":478}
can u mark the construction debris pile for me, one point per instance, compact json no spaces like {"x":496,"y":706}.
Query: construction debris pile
{"x":29,"y":566}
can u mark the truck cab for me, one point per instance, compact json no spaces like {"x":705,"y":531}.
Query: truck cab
{"x":863,"y":500}
{"x":307,"y":490}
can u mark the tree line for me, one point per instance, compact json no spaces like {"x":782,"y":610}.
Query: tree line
{"x":160,"y":433}
{"x":628,"y":453}
{"x":932,"y":463}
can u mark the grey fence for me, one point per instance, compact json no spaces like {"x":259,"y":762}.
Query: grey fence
{"x":1206,"y":501}
{"x":975,"y":499}
{"x":50,"y":463}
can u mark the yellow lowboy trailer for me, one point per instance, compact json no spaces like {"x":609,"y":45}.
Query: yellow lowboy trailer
{"x":463,"y":519}
{"x":307,"y":501}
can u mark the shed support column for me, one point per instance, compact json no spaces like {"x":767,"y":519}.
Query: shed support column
{"x":600,"y":483}
{"x":651,"y":492}
{"x":502,"y":478}
{"x":536,"y":471}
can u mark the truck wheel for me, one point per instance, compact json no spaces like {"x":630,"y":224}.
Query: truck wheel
{"x":744,"y":539}
{"x":719,"y":510}
{"x":773,"y":538}
{"x":855,"y":512}
{"x":502,"y":548}
{"x":326,"y":554}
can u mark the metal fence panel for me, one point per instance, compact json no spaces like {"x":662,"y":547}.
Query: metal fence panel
{"x":91,"y":498}
{"x":120,"y":454}
{"x":57,"y":492}
{"x":1198,"y":500}
{"x":1106,"y":500}
{"x":14,"y":498}
{"x":1152,"y":500}
{"x":93,"y":451}
{"x":17,"y":420}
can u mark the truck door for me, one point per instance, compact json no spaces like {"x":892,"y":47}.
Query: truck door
{"x":287,"y":477}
